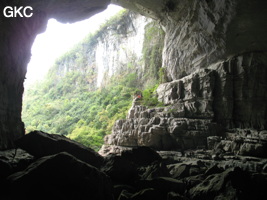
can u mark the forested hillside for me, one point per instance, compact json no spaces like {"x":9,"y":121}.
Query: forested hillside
{"x":72,"y":101}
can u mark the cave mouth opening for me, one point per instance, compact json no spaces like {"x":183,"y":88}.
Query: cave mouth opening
{"x":58,"y":40}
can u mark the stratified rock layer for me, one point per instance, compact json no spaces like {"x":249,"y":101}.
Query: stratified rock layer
{"x":226,"y":100}
{"x":232,"y":92}
{"x":161,"y":129}
{"x":215,"y":63}
{"x":197,"y":35}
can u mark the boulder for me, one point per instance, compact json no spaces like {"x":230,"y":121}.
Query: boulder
{"x":14,"y":160}
{"x":182,"y":170}
{"x":6,"y":169}
{"x":213,"y":170}
{"x":59,"y":176}
{"x":133,"y":164}
{"x":179,"y":170}
{"x":245,"y":142}
{"x":233,"y":183}
{"x":254,"y":149}
{"x":41,"y":144}
{"x":141,"y":155}
{"x":120,"y":169}
{"x":163,"y":184}
{"x":112,"y":149}
{"x":148,"y":193}
{"x":118,"y":190}
{"x":152,"y":171}
{"x":212,"y":141}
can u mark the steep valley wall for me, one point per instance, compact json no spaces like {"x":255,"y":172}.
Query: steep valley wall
{"x":210,"y":135}
{"x":214,"y":59}
{"x":215,"y":63}
{"x":122,"y":45}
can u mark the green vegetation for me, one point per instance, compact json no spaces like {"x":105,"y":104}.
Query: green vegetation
{"x":152,"y":51}
{"x":149,"y":97}
{"x":67,"y":108}
{"x":70,"y":109}
{"x":68,"y":102}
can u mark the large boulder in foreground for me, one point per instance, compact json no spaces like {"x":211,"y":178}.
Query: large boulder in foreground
{"x":40,"y":144}
{"x":59,"y":176}
{"x":134,"y":164}
{"x":232,"y":183}
{"x":13,"y":160}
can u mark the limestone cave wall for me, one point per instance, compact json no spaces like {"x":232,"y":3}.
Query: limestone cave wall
{"x":215,"y":63}
{"x":198,"y":34}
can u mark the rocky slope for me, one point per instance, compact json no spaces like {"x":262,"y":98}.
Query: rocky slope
{"x":55,"y":170}
{"x":217,"y":80}
{"x":215,"y":60}
{"x":198,"y":34}
{"x":220,"y":101}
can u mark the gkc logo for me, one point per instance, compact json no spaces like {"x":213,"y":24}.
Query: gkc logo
{"x":18,"y":11}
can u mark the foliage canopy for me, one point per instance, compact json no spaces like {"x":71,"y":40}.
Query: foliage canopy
{"x":68,"y":102}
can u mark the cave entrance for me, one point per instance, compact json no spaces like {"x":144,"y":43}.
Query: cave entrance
{"x":57,"y":42}
{"x":58,"y":39}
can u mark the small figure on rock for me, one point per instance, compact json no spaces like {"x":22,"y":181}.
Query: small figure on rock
{"x":137,"y":98}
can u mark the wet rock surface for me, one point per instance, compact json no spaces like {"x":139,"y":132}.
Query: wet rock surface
{"x":132,"y":173}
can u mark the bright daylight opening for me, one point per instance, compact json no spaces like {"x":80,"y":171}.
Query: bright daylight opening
{"x":65,"y":107}
{"x":84,"y":77}
{"x":58,"y":39}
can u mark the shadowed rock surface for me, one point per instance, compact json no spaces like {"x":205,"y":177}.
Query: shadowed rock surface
{"x":14,"y":160}
{"x":134,"y":173}
{"x":213,"y":123}
{"x":42,"y":144}
{"x":217,"y":106}
{"x":59,"y":176}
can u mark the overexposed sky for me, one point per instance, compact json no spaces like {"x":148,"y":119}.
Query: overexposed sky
{"x":58,"y":39}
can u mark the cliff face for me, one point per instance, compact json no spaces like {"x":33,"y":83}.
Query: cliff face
{"x":214,"y":51}
{"x":91,"y":86}
{"x":117,"y":47}
{"x":230,"y":92}
{"x":224,"y":101}
{"x":199,"y":33}
{"x":215,"y":61}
